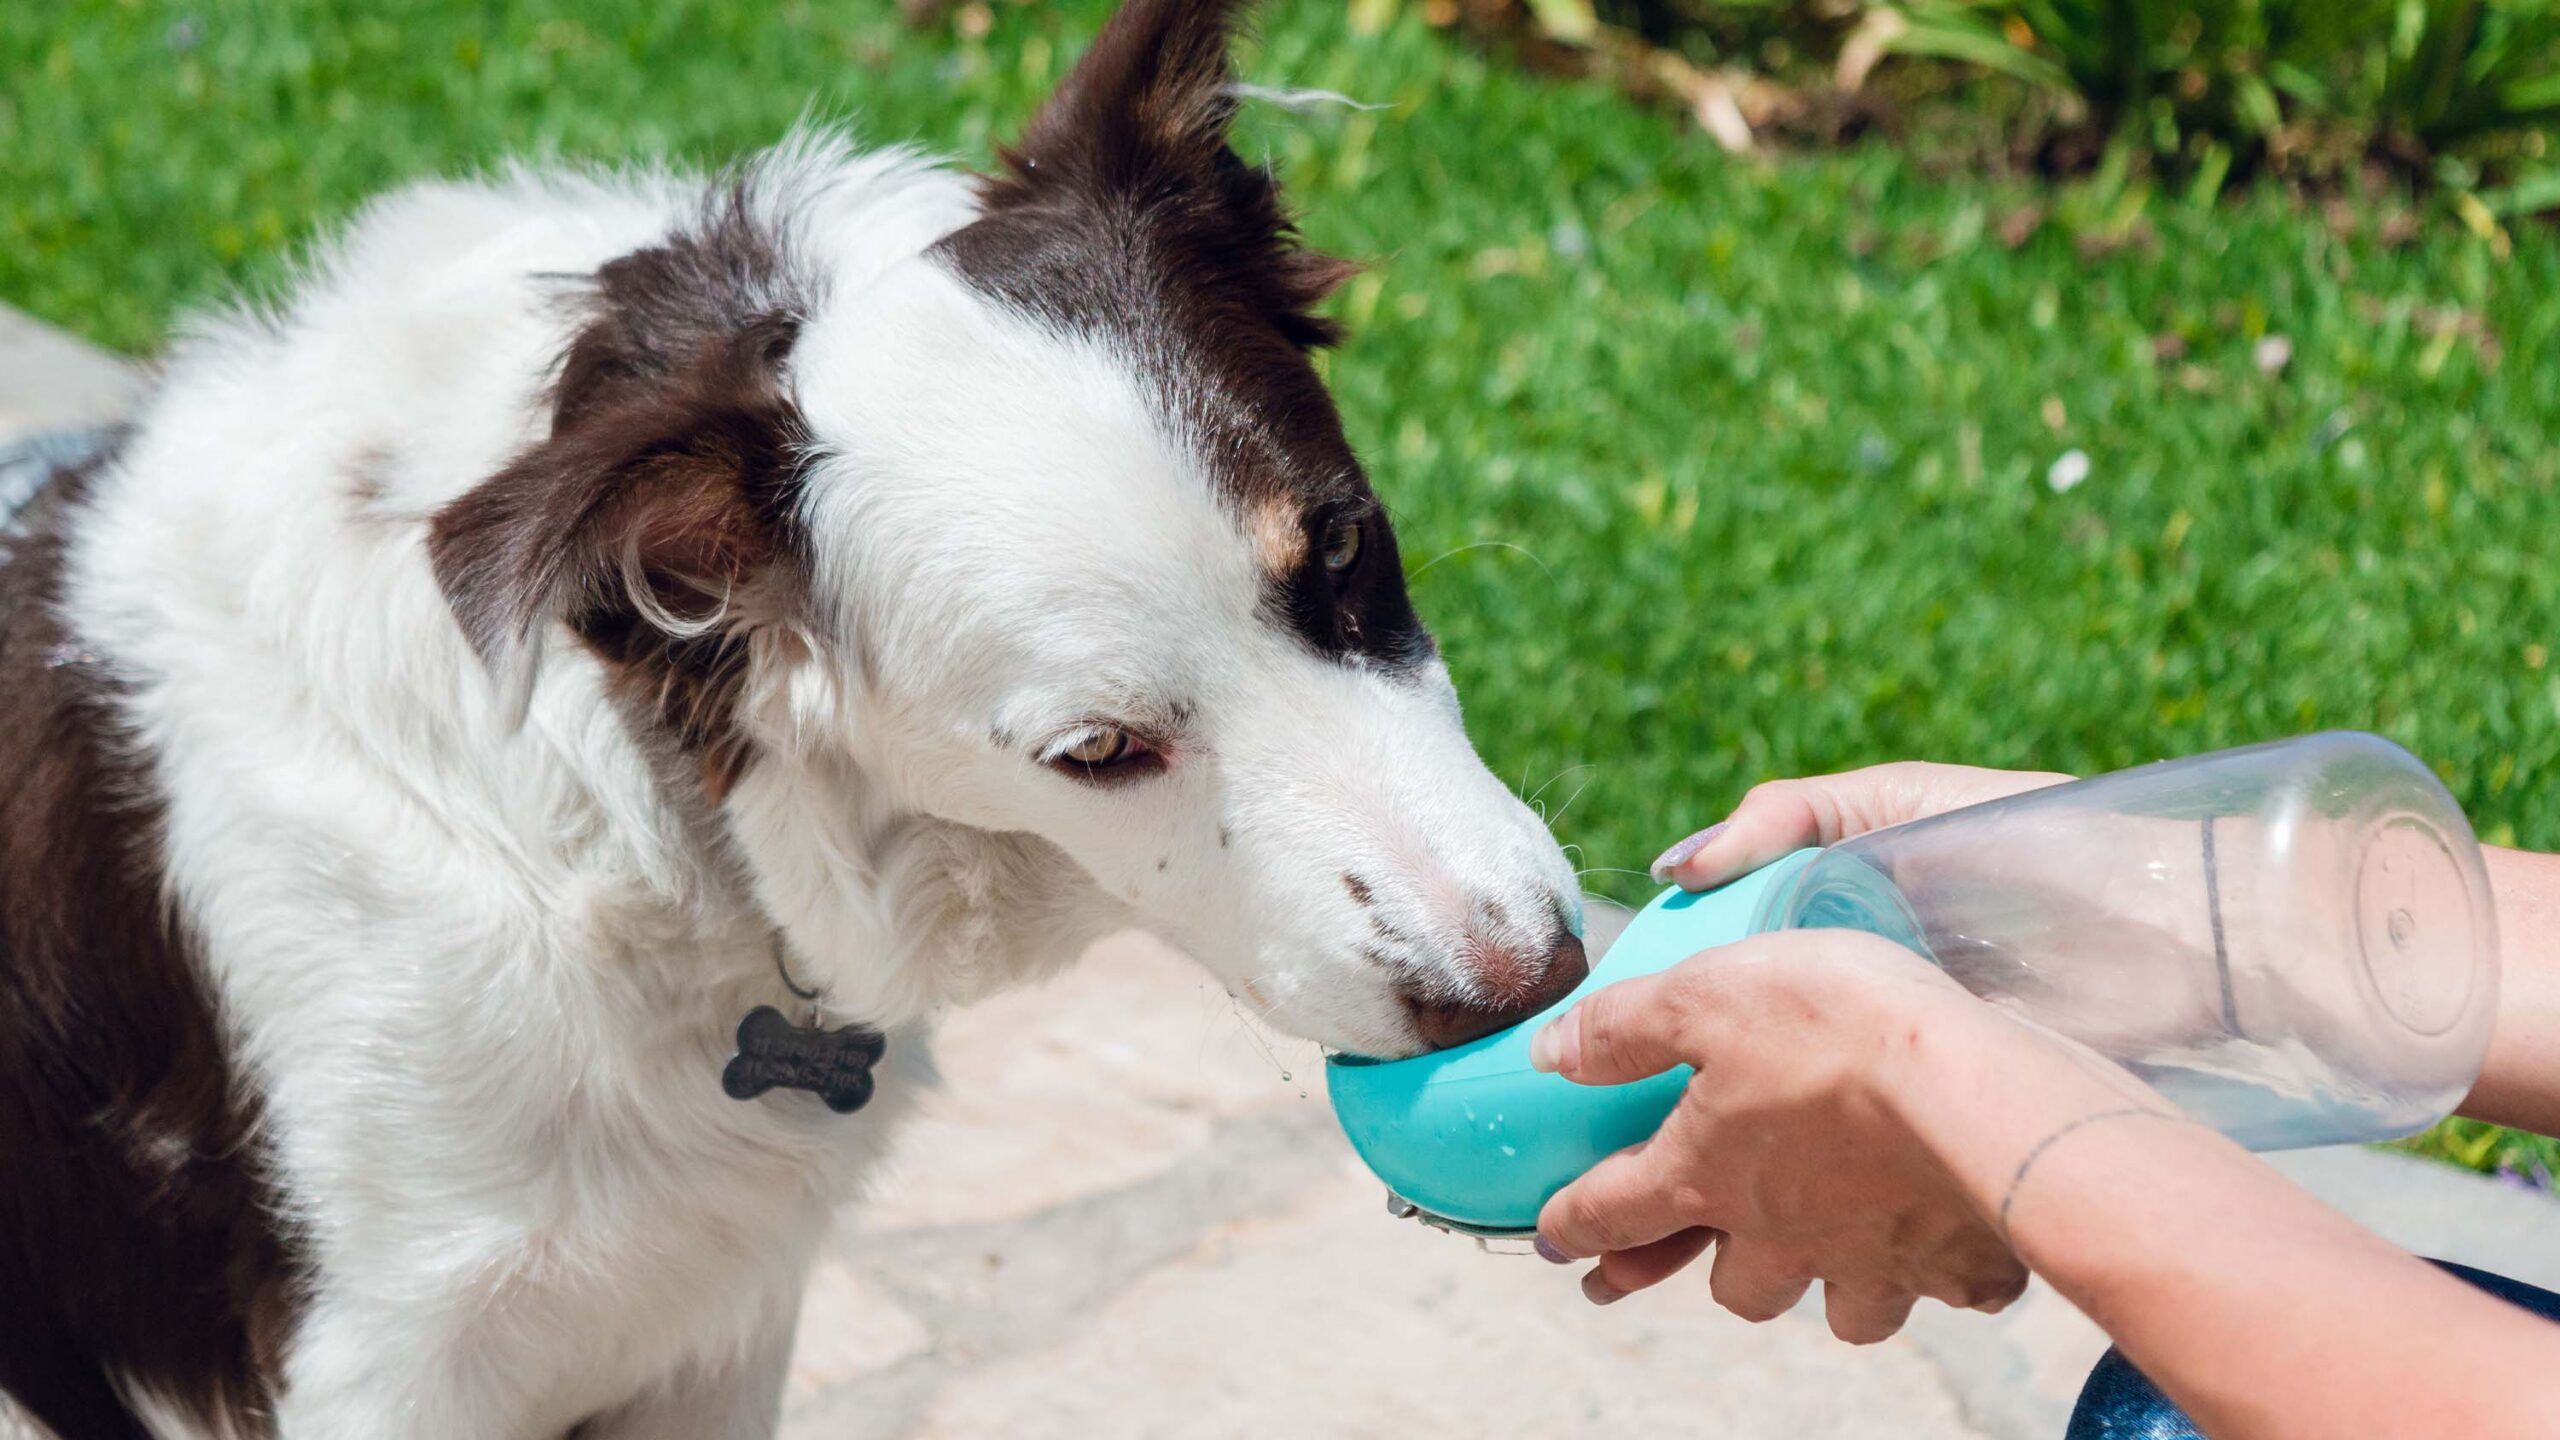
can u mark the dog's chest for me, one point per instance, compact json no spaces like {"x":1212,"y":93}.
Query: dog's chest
{"x":669,"y":1222}
{"x":539,"y":1139}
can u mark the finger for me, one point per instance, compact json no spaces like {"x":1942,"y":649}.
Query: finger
{"x":1989,"y":1283}
{"x":1782,"y":816}
{"x":1999,"y":1296}
{"x":1625,"y":1202}
{"x":1776,"y":818}
{"x":1772,"y":821}
{"x":1966,"y":1271}
{"x":1753,"y":1282}
{"x":1622,"y":1273}
{"x":1622,"y":1033}
{"x":1864,"y":1317}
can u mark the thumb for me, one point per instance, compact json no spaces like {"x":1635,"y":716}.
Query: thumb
{"x":1780,"y":816}
{"x":1775,"y":818}
{"x":1631,"y":1030}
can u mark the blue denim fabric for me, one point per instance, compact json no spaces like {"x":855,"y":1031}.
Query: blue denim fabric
{"x":2118,"y":1403}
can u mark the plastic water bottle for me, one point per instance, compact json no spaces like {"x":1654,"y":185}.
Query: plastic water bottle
{"x":2294,"y":942}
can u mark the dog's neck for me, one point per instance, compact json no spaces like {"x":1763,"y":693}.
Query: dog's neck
{"x":894,"y":915}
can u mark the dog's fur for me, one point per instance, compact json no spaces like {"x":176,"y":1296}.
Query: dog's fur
{"x":418,"y":743}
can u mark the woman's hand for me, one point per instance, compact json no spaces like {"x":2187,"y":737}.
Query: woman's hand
{"x":1781,"y":816}
{"x":1793,"y":1148}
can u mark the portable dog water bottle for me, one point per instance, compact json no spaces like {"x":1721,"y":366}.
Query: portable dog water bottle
{"x":2294,"y":942}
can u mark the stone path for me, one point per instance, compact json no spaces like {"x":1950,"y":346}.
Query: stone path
{"x":49,"y":379}
{"x":1128,"y":1215}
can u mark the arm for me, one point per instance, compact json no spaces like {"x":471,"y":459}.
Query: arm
{"x":2260,"y":1310}
{"x":2521,"y":1085}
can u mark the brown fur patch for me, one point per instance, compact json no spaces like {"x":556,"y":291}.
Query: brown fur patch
{"x":1279,"y":533}
{"x":656,"y":518}
{"x":1141,"y":124}
{"x":1123,"y":213}
{"x":139,"y":1241}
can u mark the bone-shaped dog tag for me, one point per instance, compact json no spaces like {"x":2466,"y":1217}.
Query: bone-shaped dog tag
{"x":774,"y":1054}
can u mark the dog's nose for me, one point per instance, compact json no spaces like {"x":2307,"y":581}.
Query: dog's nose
{"x":1509,"y":988}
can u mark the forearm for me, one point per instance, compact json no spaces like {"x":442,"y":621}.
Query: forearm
{"x":2260,"y":1310}
{"x":2521,"y":1084}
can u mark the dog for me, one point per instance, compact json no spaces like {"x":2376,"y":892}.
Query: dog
{"x":502,"y":763}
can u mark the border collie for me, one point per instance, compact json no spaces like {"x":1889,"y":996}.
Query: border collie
{"x":595,"y":607}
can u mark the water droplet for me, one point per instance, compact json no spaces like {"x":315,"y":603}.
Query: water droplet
{"x":2404,"y":928}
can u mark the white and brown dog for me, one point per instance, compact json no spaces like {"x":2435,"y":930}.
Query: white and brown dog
{"x":423,"y":738}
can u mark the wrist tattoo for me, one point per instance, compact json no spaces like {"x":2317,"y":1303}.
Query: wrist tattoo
{"x":2036,"y":1153}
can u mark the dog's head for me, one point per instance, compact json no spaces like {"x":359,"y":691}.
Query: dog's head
{"x":1026,"y":586}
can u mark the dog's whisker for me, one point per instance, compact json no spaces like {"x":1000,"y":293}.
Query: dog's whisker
{"x":1252,"y":1026}
{"x":1260,"y":1009}
{"x":1568,"y":801}
{"x":1423,"y":569}
{"x":1302,"y":99}
{"x":1569,"y":769}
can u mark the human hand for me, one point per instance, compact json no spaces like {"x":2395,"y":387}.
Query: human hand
{"x":2122,"y":995}
{"x":1780,"y":816}
{"x":1795,"y":1148}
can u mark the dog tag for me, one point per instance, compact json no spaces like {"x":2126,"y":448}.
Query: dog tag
{"x":774,"y":1054}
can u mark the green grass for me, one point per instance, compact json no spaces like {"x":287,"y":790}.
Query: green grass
{"x":2526,"y":1159}
{"x":1708,"y":470}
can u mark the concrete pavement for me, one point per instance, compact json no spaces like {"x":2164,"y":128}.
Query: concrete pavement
{"x":51,"y":379}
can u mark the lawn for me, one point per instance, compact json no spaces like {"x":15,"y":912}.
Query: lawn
{"x":1707,"y":469}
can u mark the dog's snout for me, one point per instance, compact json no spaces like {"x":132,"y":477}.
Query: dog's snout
{"x":1505,"y":987}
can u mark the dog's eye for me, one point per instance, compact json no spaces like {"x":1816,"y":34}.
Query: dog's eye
{"x":1101,"y":752}
{"x":1102,"y":747}
{"x":1341,"y":546}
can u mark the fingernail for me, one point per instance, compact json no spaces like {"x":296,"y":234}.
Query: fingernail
{"x":1556,"y":1048}
{"x":1549,"y":1253}
{"x":1671,"y":859}
{"x":1599,"y":1291}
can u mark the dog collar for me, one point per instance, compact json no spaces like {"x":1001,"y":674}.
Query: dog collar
{"x":776,"y":1053}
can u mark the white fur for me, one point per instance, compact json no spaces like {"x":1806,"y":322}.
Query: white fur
{"x":484,"y":970}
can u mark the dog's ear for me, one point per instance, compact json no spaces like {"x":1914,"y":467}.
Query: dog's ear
{"x":665,"y":480}
{"x":654,"y":517}
{"x":1138,"y":129}
{"x":1156,"y":91}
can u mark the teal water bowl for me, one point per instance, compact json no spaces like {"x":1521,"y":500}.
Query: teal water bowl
{"x":1473,"y":1140}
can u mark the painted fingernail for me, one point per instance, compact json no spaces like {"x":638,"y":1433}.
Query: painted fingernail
{"x":1671,"y":859}
{"x":1557,"y":1047}
{"x":1549,"y":1253}
{"x":1597,"y":1289}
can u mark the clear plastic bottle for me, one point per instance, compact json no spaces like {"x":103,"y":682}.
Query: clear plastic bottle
{"x":2294,"y":942}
